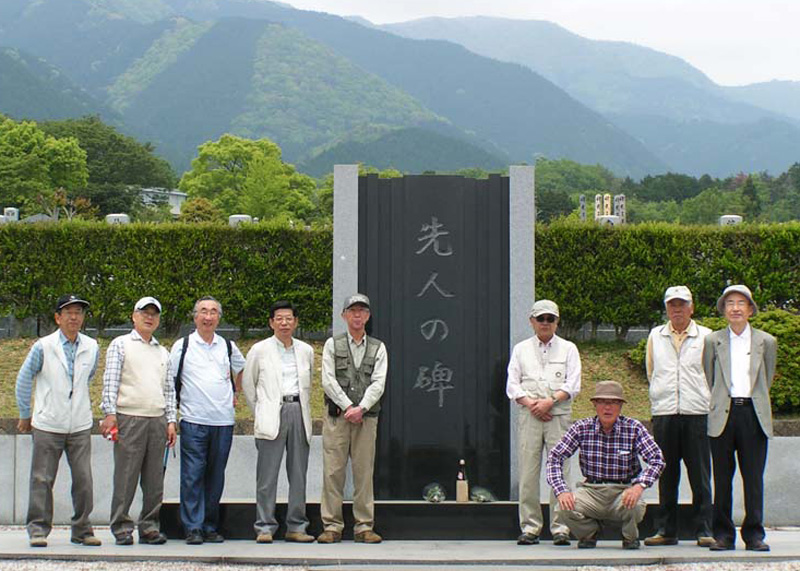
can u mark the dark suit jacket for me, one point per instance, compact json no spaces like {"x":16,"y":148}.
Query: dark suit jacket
{"x":717,"y":365}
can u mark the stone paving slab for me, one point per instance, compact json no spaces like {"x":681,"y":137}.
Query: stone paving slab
{"x":14,"y":546}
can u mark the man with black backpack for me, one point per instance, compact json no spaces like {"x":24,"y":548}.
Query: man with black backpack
{"x":205,"y":368}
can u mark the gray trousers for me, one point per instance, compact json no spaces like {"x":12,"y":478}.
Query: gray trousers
{"x":291,"y":438}
{"x":603,"y":502}
{"x":138,"y":458}
{"x":47,"y":449}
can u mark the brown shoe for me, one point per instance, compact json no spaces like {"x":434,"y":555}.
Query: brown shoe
{"x":265,"y":537}
{"x":38,"y":541}
{"x":298,"y":537}
{"x":329,"y":536}
{"x":368,"y":536}
{"x":87,"y":540}
{"x":659,"y":539}
{"x":705,"y":541}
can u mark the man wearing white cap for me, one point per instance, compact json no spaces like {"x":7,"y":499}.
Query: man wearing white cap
{"x":353,"y":377}
{"x":739,"y":363}
{"x":680,"y":400}
{"x":139,"y":401}
{"x":544,"y":376}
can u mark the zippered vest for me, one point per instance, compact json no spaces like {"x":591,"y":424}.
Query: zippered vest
{"x":542,"y":379}
{"x":354,"y":382}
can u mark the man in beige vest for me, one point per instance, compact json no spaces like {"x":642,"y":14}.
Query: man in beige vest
{"x":139,"y":402}
{"x":353,"y":378}
{"x":544,"y":375}
{"x":59,"y":368}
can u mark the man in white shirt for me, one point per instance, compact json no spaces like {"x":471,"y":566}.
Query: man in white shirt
{"x":739,"y":364}
{"x":277,"y":384}
{"x":353,"y":377}
{"x":544,"y":375}
{"x":204,"y":368}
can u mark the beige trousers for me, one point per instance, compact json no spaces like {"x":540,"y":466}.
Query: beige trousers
{"x":603,"y":502}
{"x":534,"y":439}
{"x":340,"y":440}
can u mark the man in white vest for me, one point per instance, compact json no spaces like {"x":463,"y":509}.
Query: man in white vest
{"x":544,"y":375}
{"x":680,"y":399}
{"x":277,"y":385}
{"x":57,"y":371}
{"x":139,"y":404}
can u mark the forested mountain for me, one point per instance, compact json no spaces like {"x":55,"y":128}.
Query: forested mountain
{"x":654,"y":96}
{"x":183,"y":72}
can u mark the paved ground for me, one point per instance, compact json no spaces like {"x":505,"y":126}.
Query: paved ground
{"x":410,"y":555}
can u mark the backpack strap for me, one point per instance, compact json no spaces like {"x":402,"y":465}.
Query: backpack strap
{"x":178,"y":382}
{"x":230,"y":363}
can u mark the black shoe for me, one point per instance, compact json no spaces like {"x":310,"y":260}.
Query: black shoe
{"x":561,"y":539}
{"x":125,"y":539}
{"x":720,"y":545}
{"x":213,"y":537}
{"x":630,"y":544}
{"x":757,"y":545}
{"x":194,"y":537}
{"x":153,"y":538}
{"x":588,"y":542}
{"x":528,"y":539}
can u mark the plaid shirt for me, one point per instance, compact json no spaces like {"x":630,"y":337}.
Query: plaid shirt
{"x":611,"y":457}
{"x":115,"y":357}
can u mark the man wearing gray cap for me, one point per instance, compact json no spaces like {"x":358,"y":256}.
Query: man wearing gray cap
{"x":544,"y":376}
{"x":739,"y":363}
{"x":610,"y":447}
{"x":139,"y":404}
{"x":353,"y":378}
{"x":680,"y":400}
{"x":57,"y":373}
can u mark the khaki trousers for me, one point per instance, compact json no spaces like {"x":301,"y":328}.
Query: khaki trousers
{"x":139,"y":453}
{"x":534,"y":439}
{"x":603,"y":502}
{"x":47,"y":449}
{"x":340,"y":440}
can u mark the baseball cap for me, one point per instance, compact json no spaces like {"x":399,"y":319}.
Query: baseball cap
{"x":678,"y":292}
{"x":742,"y":289}
{"x":543,"y":307}
{"x":355,"y":299}
{"x":69,"y":299}
{"x":145,"y":301}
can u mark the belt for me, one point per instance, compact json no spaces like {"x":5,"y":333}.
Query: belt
{"x":606,"y":481}
{"x":741,"y":401}
{"x":290,"y":398}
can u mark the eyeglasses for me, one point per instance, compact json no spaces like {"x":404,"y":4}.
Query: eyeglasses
{"x":607,"y":402}
{"x":548,"y":318}
{"x":150,"y":314}
{"x":736,"y":303}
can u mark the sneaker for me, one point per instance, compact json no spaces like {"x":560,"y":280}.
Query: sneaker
{"x":38,"y":541}
{"x":265,"y":537}
{"x":125,"y":539}
{"x":660,"y":539}
{"x":329,"y":537}
{"x":153,"y":538}
{"x":630,"y":543}
{"x":213,"y":537}
{"x":87,"y":540}
{"x":194,"y":537}
{"x":528,"y":539}
{"x":368,"y":536}
{"x":298,"y":537}
{"x":561,"y":539}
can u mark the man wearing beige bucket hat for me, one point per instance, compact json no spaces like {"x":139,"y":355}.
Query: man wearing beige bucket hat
{"x":739,"y":363}
{"x":610,"y":447}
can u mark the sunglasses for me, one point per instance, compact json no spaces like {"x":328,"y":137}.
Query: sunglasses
{"x":548,"y":318}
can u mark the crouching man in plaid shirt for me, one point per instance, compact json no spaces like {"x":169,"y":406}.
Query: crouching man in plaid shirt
{"x":610,"y":447}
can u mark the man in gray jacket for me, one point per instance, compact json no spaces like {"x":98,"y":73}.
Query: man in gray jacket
{"x":59,"y":368}
{"x":739,"y":363}
{"x":679,"y":398}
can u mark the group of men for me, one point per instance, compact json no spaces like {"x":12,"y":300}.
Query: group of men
{"x":709,"y":396}
{"x":144,"y":388}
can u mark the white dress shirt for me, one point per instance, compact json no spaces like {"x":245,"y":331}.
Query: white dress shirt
{"x":741,"y":384}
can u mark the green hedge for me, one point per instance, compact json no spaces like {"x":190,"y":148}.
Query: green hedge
{"x":246,"y":268}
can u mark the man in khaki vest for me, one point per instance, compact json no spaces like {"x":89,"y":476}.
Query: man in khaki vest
{"x":544,"y":375}
{"x":139,"y":402}
{"x":353,"y":378}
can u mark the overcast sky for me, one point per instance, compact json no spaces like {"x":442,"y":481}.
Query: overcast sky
{"x":734,"y":42}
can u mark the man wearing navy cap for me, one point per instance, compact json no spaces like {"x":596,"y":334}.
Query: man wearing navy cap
{"x":59,"y":368}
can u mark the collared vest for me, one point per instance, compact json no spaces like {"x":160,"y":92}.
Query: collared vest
{"x":354,"y":382}
{"x":678,"y":384}
{"x":141,"y":384}
{"x":541,"y":378}
{"x":62,"y":405}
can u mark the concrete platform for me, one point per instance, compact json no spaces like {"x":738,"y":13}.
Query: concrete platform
{"x":785,"y":545}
